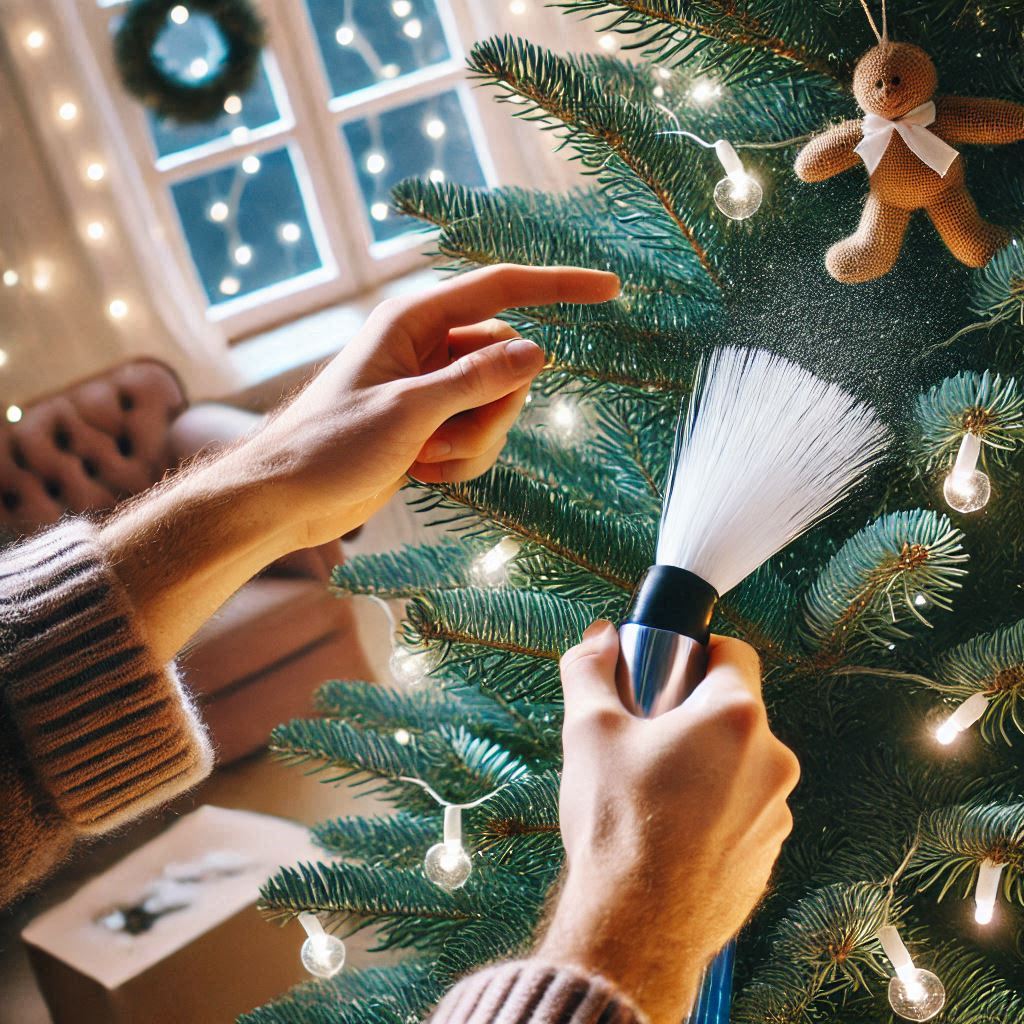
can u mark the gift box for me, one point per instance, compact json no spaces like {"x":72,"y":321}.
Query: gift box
{"x":171,"y":933}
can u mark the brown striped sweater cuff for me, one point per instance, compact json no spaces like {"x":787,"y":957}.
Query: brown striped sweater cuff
{"x":532,"y":992}
{"x":106,"y":730}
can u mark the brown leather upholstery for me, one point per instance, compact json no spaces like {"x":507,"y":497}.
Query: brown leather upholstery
{"x":86,"y":448}
{"x":257,"y":661}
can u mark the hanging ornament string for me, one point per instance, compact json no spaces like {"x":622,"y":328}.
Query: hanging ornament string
{"x":884,"y":34}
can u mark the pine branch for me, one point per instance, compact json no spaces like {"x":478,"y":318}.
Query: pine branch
{"x":409,"y":571}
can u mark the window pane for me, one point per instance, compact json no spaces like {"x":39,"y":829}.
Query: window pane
{"x":363,"y":42}
{"x":246,"y":225}
{"x":428,"y":139}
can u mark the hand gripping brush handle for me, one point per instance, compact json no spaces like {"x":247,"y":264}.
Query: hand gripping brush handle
{"x":764,"y":451}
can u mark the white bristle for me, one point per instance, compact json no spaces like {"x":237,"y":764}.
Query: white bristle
{"x":765,"y":450}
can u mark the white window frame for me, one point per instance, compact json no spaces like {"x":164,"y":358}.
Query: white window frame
{"x":310,"y":124}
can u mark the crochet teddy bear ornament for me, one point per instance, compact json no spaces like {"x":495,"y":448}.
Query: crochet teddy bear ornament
{"x":906,"y":141}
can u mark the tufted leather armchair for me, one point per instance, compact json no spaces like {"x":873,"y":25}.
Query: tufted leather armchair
{"x":86,"y":448}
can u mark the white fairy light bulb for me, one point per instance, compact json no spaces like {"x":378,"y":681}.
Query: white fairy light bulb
{"x":436,"y":175}
{"x":96,"y":171}
{"x":491,"y":568}
{"x":199,"y":67}
{"x":435,"y":128}
{"x":914,"y":993}
{"x":412,"y":667}
{"x":322,"y":954}
{"x":3,"y":357}
{"x":403,"y":737}
{"x":379,"y":211}
{"x":608,"y":43}
{"x":35,"y":39}
{"x":401,"y":8}
{"x":967,"y":488}
{"x":11,"y":277}
{"x":390,"y":71}
{"x":517,"y":7}
{"x":658,"y":92}
{"x":118,"y":309}
{"x":179,"y":14}
{"x":67,"y":111}
{"x":218,"y":211}
{"x":962,"y":718}
{"x":289,"y":232}
{"x":447,"y":864}
{"x":233,"y":104}
{"x":95,"y":231}
{"x":229,"y":285}
{"x":987,"y":890}
{"x":13,"y":413}
{"x":239,"y":134}
{"x":565,"y":417}
{"x":251,"y":164}
{"x":704,"y":91}
{"x":737,"y":195}
{"x":242,"y":255}
{"x":375,"y":162}
{"x":345,"y":35}
{"x":413,"y":28}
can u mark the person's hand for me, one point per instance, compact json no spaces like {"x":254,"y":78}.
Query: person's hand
{"x":429,"y":387}
{"x":671,"y":825}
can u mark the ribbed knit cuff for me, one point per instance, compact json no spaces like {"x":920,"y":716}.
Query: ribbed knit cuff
{"x":532,"y":992}
{"x":108,"y":731}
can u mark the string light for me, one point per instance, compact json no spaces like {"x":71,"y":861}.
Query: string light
{"x":663,"y":73}
{"x":435,"y":128}
{"x":565,"y":417}
{"x":447,"y":864}
{"x":218,"y":211}
{"x":914,"y":993}
{"x":42,"y":276}
{"x":199,"y":68}
{"x":403,"y":737}
{"x":233,"y":104}
{"x":436,"y":175}
{"x":390,"y":71}
{"x":251,"y":164}
{"x":962,"y":718}
{"x":3,"y":357}
{"x":658,"y":92}
{"x":242,"y":255}
{"x":345,"y":35}
{"x":95,"y":171}
{"x":229,"y":285}
{"x":239,"y":134}
{"x":967,"y":488}
{"x":987,"y":890}
{"x":13,"y":414}
{"x":95,"y":231}
{"x":412,"y":667}
{"x":401,"y":8}
{"x":289,"y":232}
{"x":491,"y":568}
{"x":35,"y":39}
{"x":118,"y":309}
{"x":67,"y":111}
{"x":379,"y":211}
{"x":413,"y":28}
{"x":322,"y":954}
{"x":703,"y":91}
{"x":608,"y":43}
{"x":517,"y":7}
{"x":375,"y":163}
{"x":179,"y":14}
{"x":11,"y":278}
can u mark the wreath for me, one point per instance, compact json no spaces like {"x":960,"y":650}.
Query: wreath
{"x":142,"y":74}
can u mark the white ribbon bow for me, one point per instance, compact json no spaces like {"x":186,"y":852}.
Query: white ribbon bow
{"x":927,"y":147}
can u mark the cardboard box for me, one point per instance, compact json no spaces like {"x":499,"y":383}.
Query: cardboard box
{"x":203,"y":964}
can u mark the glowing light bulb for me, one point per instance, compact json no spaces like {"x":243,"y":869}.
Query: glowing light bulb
{"x":35,"y":39}
{"x":289,"y":232}
{"x":242,"y":255}
{"x":737,"y":195}
{"x":401,"y":8}
{"x":413,"y":28}
{"x":95,"y":171}
{"x":658,"y":92}
{"x":565,"y":417}
{"x":323,"y":955}
{"x":491,"y":568}
{"x":13,"y":413}
{"x":920,"y":600}
{"x":233,"y":104}
{"x":218,"y":211}
{"x":412,"y":667}
{"x":67,"y":111}
{"x":95,"y":231}
{"x":436,"y":175}
{"x":179,"y":14}
{"x":447,"y":864}
{"x":967,"y":488}
{"x":517,"y":7}
{"x":251,"y":164}
{"x":239,"y":134}
{"x":42,"y":276}
{"x":914,"y":993}
{"x":608,"y":43}
{"x":229,"y":285}
{"x":390,"y":71}
{"x":375,"y":163}
{"x":118,"y":309}
{"x":3,"y":357}
{"x":403,"y":737}
{"x":664,"y":73}
{"x":962,"y":718}
{"x":435,"y":128}
{"x":199,"y":67}
{"x":11,"y":278}
{"x":345,"y":35}
{"x":987,"y":890}
{"x":704,"y":91}
{"x":379,"y":211}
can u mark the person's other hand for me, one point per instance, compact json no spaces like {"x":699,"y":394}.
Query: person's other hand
{"x":671,"y":825}
{"x":429,"y":387}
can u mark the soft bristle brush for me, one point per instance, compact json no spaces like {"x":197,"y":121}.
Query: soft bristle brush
{"x":764,"y":451}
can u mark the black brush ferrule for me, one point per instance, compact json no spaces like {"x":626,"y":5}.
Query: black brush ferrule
{"x":676,"y":600}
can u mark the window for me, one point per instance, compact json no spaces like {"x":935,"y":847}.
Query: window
{"x":280,"y":205}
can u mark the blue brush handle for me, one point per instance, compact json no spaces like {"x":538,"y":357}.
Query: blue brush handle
{"x":657,"y":671}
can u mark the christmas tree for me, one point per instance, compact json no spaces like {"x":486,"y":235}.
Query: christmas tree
{"x":874,"y":629}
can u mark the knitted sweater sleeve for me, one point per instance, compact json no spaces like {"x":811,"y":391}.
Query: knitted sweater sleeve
{"x":533,"y":992}
{"x":93,"y":731}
